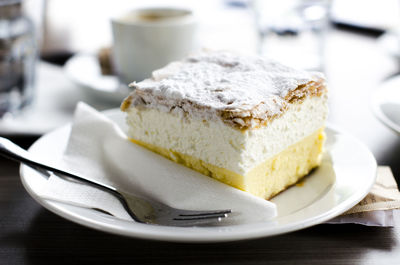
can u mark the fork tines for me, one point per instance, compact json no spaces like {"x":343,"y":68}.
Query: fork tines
{"x":196,"y":215}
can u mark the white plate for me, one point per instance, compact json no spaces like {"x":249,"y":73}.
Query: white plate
{"x":390,"y":42}
{"x":84,"y":70}
{"x":346,"y":175}
{"x":386,"y":103}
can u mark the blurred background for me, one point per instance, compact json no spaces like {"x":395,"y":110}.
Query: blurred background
{"x":55,"y":53}
{"x":84,"y":26}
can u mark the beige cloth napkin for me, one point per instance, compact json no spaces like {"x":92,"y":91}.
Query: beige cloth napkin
{"x":99,"y":150}
{"x":376,"y":209}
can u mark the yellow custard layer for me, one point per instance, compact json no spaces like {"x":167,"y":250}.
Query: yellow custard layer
{"x":268,"y":178}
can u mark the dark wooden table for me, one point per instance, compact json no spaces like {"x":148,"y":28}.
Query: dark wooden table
{"x":29,"y":234}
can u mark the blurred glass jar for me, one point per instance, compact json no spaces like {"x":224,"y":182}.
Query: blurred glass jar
{"x":293,"y":31}
{"x":19,"y":24}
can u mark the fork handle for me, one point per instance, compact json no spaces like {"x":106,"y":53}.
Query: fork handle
{"x":16,"y":153}
{"x":12,"y":151}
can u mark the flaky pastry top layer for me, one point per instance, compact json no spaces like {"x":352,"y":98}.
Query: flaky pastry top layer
{"x":243,"y":91}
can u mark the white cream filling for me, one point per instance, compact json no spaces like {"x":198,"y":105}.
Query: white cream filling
{"x":222,"y":145}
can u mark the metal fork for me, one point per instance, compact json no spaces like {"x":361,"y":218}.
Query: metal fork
{"x":142,"y":210}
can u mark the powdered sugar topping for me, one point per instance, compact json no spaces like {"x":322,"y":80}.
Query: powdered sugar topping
{"x":218,"y":81}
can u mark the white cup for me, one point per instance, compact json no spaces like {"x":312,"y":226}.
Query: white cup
{"x":148,"y":39}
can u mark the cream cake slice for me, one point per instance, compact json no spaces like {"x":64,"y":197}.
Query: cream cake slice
{"x":249,"y":122}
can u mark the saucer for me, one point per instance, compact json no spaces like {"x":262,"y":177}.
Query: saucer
{"x":390,"y":42}
{"x":84,"y":70}
{"x":385,"y":103}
